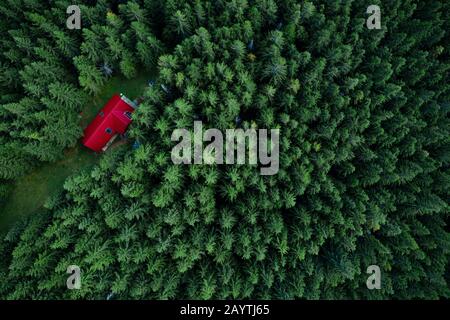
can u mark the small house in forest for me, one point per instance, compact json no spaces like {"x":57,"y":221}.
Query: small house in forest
{"x":111,"y":121}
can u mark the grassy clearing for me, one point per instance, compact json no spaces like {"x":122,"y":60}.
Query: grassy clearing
{"x":132,"y":88}
{"x":30,"y":191}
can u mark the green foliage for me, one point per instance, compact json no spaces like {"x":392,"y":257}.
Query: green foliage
{"x":364,"y":154}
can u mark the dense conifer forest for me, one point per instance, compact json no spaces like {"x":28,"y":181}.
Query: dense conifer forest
{"x":364,"y":173}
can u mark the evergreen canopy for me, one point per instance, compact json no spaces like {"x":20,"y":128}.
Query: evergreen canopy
{"x":364,"y":156}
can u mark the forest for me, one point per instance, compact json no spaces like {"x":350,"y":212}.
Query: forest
{"x":364,"y":168}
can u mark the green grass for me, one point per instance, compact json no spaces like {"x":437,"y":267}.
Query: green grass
{"x":30,"y":192}
{"x":132,"y":88}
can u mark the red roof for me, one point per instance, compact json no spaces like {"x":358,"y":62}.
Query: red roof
{"x":112,"y":119}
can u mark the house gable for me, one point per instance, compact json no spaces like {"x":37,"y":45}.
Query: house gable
{"x":108,"y":122}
